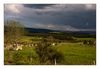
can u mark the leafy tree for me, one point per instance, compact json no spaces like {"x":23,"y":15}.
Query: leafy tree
{"x":13,"y":31}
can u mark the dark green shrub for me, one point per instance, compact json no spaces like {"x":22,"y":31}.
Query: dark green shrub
{"x":47,"y":54}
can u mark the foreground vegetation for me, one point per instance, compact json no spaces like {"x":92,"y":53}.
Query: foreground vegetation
{"x":24,"y":48}
{"x":73,"y":54}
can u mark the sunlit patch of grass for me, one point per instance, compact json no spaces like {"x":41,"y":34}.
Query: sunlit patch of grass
{"x":76,"y":54}
{"x":85,"y":38}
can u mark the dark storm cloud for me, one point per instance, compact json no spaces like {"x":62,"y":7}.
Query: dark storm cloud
{"x":37,"y":6}
{"x":73,"y":17}
{"x":79,"y":19}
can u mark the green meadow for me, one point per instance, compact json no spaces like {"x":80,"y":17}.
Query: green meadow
{"x":74,"y":54}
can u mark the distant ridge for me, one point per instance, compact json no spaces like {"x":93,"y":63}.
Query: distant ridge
{"x":38,"y":30}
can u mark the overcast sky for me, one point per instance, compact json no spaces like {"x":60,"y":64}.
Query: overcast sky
{"x":67,"y":17}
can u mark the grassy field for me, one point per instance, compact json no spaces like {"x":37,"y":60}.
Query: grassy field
{"x":74,"y":54}
{"x":85,"y":38}
{"x":30,"y":39}
{"x":77,"y":54}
